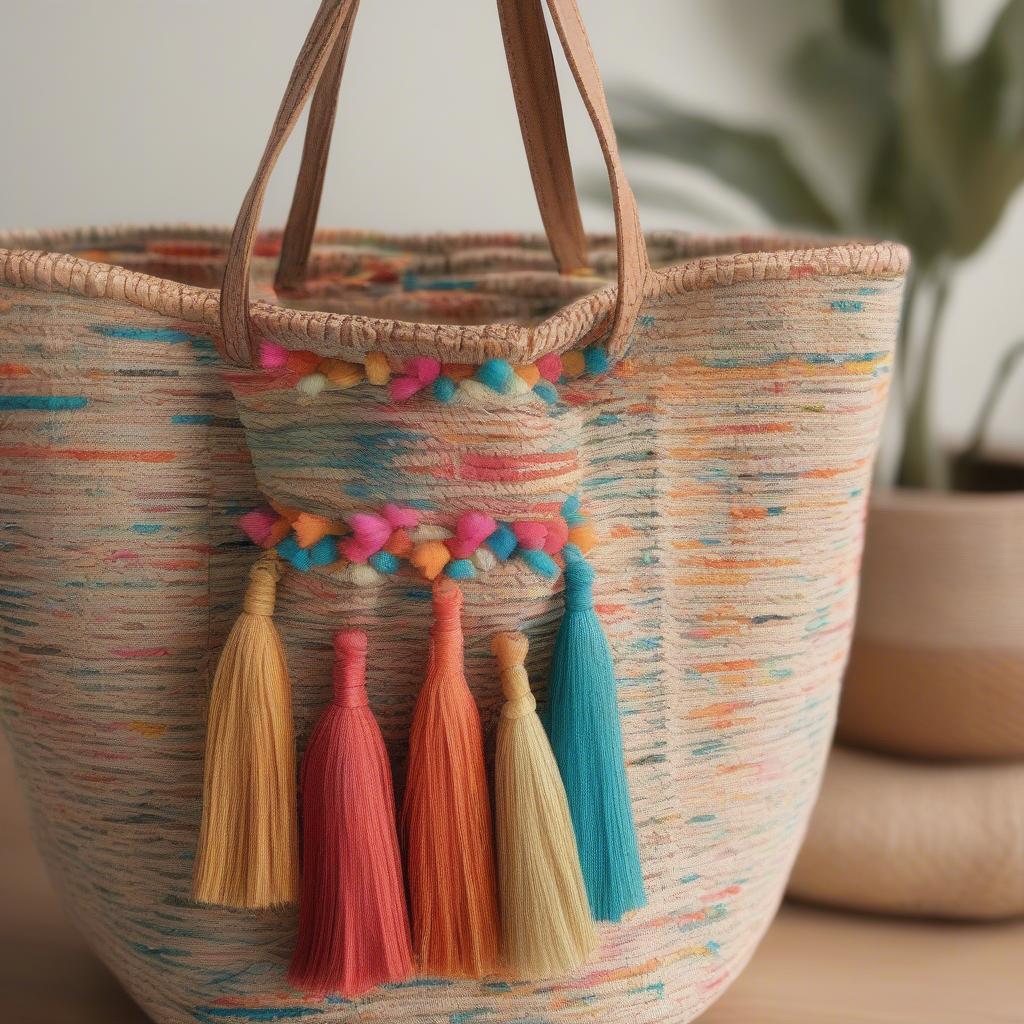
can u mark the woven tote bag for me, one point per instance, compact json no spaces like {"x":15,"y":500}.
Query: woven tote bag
{"x":708,"y":409}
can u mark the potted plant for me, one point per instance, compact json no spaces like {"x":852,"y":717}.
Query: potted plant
{"x":939,"y":648}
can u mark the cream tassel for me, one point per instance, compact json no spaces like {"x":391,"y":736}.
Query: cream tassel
{"x":546,"y":928}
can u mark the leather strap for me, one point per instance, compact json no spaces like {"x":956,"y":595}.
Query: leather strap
{"x":236,"y":345}
{"x":309,"y":186}
{"x":634,"y":265}
{"x":535,"y":87}
{"x":321,"y":49}
{"x":531,"y":67}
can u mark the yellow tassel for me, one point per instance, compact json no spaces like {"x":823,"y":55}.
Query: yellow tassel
{"x":546,"y":928}
{"x":248,"y":848}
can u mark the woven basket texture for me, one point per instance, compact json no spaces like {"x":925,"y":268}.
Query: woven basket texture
{"x":891,"y":835}
{"x":937,"y":666}
{"x":724,"y":462}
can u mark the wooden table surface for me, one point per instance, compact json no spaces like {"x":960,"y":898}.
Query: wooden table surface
{"x":814,"y":967}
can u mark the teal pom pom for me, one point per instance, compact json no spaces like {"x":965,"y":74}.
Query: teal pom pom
{"x":595,"y":359}
{"x":384,"y":562}
{"x":502,"y":542}
{"x":540,"y":562}
{"x":444,"y":389}
{"x":571,"y":511}
{"x":290,"y":551}
{"x":546,"y":392}
{"x":460,"y":569}
{"x":324,"y":551}
{"x":496,"y":374}
{"x":586,"y":737}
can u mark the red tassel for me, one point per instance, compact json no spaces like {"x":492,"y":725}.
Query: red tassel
{"x":447,"y":813}
{"x":353,"y":924}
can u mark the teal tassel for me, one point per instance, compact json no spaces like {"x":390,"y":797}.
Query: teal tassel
{"x":583,"y":722}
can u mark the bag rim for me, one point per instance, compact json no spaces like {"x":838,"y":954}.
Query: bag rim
{"x":32,"y":259}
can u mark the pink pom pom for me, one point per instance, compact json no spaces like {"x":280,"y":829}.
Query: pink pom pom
{"x":258,"y":523}
{"x":460,"y":547}
{"x":371,"y":531}
{"x":558,"y":534}
{"x":402,"y":388}
{"x":474,"y":527}
{"x":419,"y":373}
{"x":424,"y":369}
{"x":357,"y":550}
{"x":550,"y":367}
{"x":530,"y":535}
{"x":272,"y":355}
{"x":401,"y":518}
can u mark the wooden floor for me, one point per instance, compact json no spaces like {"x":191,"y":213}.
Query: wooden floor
{"x":814,"y":967}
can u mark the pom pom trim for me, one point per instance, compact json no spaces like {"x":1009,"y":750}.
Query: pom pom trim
{"x":311,"y":374}
{"x":371,"y":545}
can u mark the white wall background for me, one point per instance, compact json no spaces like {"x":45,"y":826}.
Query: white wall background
{"x":120,"y":111}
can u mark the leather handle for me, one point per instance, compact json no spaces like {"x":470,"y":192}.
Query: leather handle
{"x":531,"y":67}
{"x":297,"y":241}
{"x":535,"y":88}
{"x":320,"y":50}
{"x":236,"y":344}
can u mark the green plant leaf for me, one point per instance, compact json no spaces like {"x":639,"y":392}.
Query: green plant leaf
{"x":866,"y":22}
{"x":995,"y":79}
{"x":990,"y":122}
{"x":828,"y":68}
{"x":755,"y":163}
{"x":911,"y":191}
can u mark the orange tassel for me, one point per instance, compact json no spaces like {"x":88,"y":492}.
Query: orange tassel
{"x":353,"y":925}
{"x":447,"y":814}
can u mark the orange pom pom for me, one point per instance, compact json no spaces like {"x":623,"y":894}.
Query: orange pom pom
{"x":584,"y":537}
{"x":340,"y":373}
{"x":302,"y":362}
{"x":399,"y":545}
{"x":378,"y":369}
{"x":529,"y":374}
{"x":573,"y":363}
{"x":310,"y":528}
{"x":430,"y":557}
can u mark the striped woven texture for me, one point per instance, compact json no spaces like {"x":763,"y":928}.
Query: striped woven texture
{"x":724,"y":463}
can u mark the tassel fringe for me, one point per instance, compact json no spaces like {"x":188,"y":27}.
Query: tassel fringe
{"x":353,"y":925}
{"x":546,"y":928}
{"x":248,"y":851}
{"x":586,"y":737}
{"x":447,"y":815}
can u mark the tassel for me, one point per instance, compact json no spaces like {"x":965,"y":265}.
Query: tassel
{"x":586,"y":736}
{"x":248,"y":849}
{"x":353,"y":925}
{"x":546,"y":928}
{"x":447,"y":813}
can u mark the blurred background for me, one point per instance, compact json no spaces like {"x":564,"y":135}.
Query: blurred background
{"x":894,"y":118}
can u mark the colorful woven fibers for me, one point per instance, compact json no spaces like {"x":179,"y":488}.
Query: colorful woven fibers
{"x":372,"y":545}
{"x":447,"y":382}
{"x":725,"y":464}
